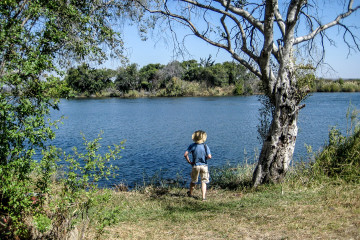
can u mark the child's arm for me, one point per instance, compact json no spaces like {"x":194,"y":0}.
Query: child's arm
{"x":186,"y":155}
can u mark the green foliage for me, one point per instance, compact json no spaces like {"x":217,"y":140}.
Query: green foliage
{"x":56,"y":88}
{"x":84,"y":79}
{"x":150,"y":74}
{"x":70,"y":196}
{"x":42,"y":222}
{"x":127,"y":78}
{"x":218,"y":76}
{"x":174,"y":88}
{"x":107,"y":218}
{"x":239,"y":88}
{"x":340,"y":158}
{"x":341,"y":81}
{"x":322,"y":85}
{"x":232,"y":177}
{"x":36,"y":39}
{"x":86,"y":169}
{"x":305,"y":77}
{"x":305,"y":84}
{"x":191,"y":70}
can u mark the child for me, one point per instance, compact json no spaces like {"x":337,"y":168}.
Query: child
{"x":200,"y":153}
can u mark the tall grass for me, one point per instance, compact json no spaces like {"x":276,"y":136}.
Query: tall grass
{"x":340,"y":159}
{"x":337,"y":86}
{"x":232,"y":177}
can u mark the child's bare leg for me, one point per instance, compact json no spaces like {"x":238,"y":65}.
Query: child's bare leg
{"x":192,"y":186}
{"x":203,"y":190}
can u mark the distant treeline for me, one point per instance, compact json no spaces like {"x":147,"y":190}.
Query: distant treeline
{"x":339,"y":85}
{"x":187,"y":78}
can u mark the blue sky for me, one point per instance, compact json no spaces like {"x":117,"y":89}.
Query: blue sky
{"x":157,"y":50}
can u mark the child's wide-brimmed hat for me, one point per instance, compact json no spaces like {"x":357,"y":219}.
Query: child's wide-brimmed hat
{"x":199,"y":136}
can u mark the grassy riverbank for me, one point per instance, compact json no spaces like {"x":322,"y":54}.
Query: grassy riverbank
{"x":305,"y":206}
{"x":195,"y":89}
{"x":287,"y":211}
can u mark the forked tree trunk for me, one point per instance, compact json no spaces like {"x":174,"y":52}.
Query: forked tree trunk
{"x":278,"y":148}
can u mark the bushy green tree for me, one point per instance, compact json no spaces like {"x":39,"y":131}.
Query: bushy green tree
{"x":220,"y":76}
{"x":36,"y":37}
{"x":150,"y":74}
{"x":191,"y":70}
{"x":78,"y":78}
{"x":127,"y":78}
{"x":85,"y":79}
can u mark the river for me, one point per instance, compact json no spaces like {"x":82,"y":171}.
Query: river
{"x":158,"y":130}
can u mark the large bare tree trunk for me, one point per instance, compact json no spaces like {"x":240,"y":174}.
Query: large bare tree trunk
{"x":278,"y":148}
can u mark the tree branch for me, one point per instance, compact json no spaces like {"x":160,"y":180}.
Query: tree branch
{"x":185,"y":21}
{"x":279,"y":20}
{"x":328,"y":25}
{"x":240,"y":12}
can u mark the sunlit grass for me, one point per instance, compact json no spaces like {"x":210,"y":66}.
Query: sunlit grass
{"x":272,"y":212}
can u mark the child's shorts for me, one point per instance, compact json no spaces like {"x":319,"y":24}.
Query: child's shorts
{"x":204,"y":173}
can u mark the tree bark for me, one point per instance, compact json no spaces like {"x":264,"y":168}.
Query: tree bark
{"x":278,"y":148}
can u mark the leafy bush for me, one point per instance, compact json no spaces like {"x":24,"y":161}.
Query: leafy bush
{"x":341,"y":156}
{"x":174,"y":87}
{"x":132,"y":94}
{"x":239,"y":88}
{"x":56,"y":204}
{"x":349,"y":87}
{"x":231,"y":177}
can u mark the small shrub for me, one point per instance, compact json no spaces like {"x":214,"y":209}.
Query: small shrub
{"x":65,"y":201}
{"x":132,"y":94}
{"x":239,"y":89}
{"x":335,"y":87}
{"x":231,"y":177}
{"x":42,"y":222}
{"x":349,"y":87}
{"x":341,"y":156}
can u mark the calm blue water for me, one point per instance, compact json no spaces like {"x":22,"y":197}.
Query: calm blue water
{"x":158,"y":130}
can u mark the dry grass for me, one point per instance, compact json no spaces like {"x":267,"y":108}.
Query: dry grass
{"x":272,"y":212}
